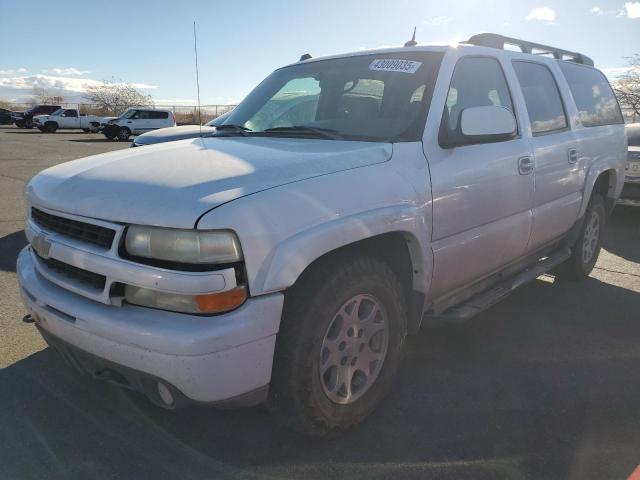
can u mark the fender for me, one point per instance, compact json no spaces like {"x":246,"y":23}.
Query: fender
{"x":596,"y":169}
{"x":284,"y":229}
{"x":293,"y":255}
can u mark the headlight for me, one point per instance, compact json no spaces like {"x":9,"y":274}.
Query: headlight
{"x":183,"y":246}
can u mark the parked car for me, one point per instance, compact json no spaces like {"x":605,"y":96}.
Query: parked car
{"x":171,"y":134}
{"x":25,"y":119}
{"x":286,"y":263}
{"x":6,"y":116}
{"x":631,"y":192}
{"x":65,"y":119}
{"x":136,"y":121}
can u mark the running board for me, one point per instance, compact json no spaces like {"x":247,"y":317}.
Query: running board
{"x":481,"y":301}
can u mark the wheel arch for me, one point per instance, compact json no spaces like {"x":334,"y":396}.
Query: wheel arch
{"x":602,"y":179}
{"x":399,"y":250}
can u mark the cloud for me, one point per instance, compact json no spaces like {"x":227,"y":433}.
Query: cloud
{"x":66,"y":71}
{"x":544,"y":14}
{"x":72,"y":89}
{"x":13,"y":71}
{"x":438,"y":21}
{"x":615,"y":72}
{"x":632,"y":9}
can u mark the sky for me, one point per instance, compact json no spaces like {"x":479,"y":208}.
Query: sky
{"x":64,"y":45}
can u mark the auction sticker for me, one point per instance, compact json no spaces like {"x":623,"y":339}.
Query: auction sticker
{"x":394,"y":65}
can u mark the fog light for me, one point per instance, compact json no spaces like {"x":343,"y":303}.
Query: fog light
{"x":165,"y":394}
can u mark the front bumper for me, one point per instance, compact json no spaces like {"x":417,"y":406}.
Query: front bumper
{"x":204,"y":359}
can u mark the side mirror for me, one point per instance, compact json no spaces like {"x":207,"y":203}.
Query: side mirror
{"x":480,"y":125}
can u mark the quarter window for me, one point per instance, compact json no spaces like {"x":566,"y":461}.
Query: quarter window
{"x":597,"y":105}
{"x":476,"y":82}
{"x":542,"y":97}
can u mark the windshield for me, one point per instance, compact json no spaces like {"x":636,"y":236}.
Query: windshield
{"x":377,"y":97}
{"x":57,"y":112}
{"x":128,"y":113}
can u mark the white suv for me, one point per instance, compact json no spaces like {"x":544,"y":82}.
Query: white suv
{"x":286,"y":257}
{"x":135,"y":121}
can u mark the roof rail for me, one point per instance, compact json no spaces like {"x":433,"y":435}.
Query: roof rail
{"x":494,"y":40}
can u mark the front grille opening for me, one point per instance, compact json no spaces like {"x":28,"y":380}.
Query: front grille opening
{"x":85,"y":232}
{"x":84,"y":277}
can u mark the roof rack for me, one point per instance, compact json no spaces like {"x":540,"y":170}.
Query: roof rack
{"x":494,"y":40}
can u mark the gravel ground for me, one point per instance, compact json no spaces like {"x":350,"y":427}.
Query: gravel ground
{"x":544,"y":385}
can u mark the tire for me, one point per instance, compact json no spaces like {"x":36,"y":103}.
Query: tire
{"x":585,"y":251}
{"x":50,"y":127}
{"x":86,"y":130}
{"x":110,"y":136}
{"x":123,"y":134}
{"x":42,"y":129}
{"x":299,"y":394}
{"x":28,"y":124}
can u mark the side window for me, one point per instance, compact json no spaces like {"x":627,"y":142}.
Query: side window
{"x":142,"y":115}
{"x":542,"y":97}
{"x":71,"y":113}
{"x":155,"y":115}
{"x":476,"y":82}
{"x":597,"y":105}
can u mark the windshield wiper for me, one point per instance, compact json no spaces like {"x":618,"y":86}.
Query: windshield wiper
{"x":235,"y":128}
{"x":302,"y":129}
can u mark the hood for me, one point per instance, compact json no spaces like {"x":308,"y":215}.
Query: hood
{"x":174,"y":183}
{"x":172,"y":133}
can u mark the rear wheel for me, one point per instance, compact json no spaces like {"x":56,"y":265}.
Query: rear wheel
{"x":339,"y":345}
{"x":28,"y":124}
{"x":587,"y":247}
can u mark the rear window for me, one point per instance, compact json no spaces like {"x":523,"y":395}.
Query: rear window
{"x":597,"y":105}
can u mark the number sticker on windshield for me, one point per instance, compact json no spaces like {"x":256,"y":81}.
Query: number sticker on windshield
{"x":394,"y":65}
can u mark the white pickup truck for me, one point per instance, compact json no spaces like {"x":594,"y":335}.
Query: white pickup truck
{"x":67,"y":118}
{"x":285,"y":258}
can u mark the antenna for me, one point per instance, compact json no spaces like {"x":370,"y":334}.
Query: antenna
{"x":412,"y":42}
{"x":195,"y":49}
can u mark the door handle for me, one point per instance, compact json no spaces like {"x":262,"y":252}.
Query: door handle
{"x":573,"y":155}
{"x":129,"y":121}
{"x":525,"y":165}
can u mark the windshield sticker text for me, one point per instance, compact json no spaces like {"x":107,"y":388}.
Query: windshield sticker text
{"x":394,"y":65}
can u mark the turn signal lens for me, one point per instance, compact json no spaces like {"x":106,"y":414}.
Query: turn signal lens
{"x":221,"y":302}
{"x":209,"y":303}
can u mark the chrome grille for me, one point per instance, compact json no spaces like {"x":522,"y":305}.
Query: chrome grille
{"x":85,"y":232}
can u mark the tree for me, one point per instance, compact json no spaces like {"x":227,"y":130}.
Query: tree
{"x":115,"y":97}
{"x":40,"y":95}
{"x":627,"y":86}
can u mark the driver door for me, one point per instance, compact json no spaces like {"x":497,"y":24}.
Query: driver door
{"x":482,"y":193}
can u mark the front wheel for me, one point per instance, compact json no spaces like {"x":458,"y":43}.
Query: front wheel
{"x":28,"y":124}
{"x":123,"y":134}
{"x":339,"y":345}
{"x":86,"y":130}
{"x":587,"y":247}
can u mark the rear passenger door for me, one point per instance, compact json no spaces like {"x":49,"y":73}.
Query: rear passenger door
{"x":158,"y":119}
{"x":558,"y":167}
{"x":482,"y":192}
